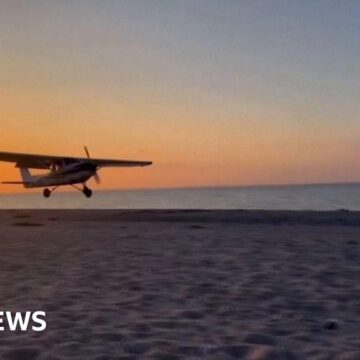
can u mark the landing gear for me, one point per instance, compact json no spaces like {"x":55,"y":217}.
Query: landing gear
{"x":46,"y":193}
{"x":86,"y":191}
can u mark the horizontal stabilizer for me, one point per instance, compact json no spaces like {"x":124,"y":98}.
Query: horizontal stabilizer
{"x":14,"y":182}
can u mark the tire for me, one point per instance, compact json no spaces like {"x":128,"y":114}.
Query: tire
{"x":87,"y":192}
{"x":46,"y":193}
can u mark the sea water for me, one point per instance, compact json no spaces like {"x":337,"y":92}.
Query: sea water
{"x":291,"y":197}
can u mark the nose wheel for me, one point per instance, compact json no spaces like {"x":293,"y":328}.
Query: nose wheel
{"x":86,"y":191}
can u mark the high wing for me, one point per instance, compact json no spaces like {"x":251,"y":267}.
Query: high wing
{"x":46,"y":161}
{"x":116,"y":163}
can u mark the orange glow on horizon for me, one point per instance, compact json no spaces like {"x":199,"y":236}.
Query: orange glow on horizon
{"x":188,"y":146}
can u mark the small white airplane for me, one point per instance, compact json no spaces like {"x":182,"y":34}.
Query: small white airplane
{"x":63,"y":170}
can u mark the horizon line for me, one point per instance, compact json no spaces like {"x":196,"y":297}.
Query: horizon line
{"x":205,"y":187}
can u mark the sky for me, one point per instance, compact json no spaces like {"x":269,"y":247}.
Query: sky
{"x":216,"y":93}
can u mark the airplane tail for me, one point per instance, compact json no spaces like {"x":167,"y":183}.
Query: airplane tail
{"x":26,"y":177}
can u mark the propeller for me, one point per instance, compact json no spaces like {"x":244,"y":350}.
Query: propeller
{"x":96,"y":175}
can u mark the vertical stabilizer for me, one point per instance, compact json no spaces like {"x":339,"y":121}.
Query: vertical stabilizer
{"x":26,"y":176}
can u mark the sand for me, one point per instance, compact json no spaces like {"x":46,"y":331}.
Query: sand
{"x":182,"y":284}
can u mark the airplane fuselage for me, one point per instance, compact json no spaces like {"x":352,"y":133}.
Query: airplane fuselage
{"x":57,"y":179}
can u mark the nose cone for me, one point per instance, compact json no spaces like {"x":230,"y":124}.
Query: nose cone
{"x":92,"y":167}
{"x":87,"y":166}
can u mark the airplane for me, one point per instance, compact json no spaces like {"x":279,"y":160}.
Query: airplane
{"x":63,"y":170}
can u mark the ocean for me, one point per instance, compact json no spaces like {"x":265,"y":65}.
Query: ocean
{"x":290,"y":197}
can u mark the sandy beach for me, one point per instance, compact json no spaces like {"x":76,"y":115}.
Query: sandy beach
{"x":182,"y":284}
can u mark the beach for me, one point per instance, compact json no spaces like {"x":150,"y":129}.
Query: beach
{"x":158,"y":284}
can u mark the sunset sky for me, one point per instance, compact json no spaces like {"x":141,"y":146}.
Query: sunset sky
{"x":214,"y":92}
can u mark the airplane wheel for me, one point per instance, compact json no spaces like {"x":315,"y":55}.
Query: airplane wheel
{"x":87,"y":192}
{"x":46,"y":193}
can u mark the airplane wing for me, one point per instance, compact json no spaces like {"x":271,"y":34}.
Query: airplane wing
{"x":118,"y":163}
{"x":34,"y":161}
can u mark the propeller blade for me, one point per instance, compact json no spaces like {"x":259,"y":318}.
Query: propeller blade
{"x":87,"y":152}
{"x":96,"y":175}
{"x":97,"y":178}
